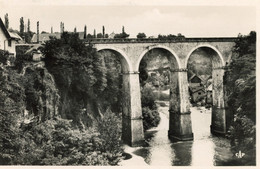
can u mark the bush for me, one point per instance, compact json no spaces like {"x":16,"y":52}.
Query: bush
{"x":4,"y":57}
{"x":148,"y":97}
{"x":11,"y":107}
{"x":151,"y":117}
{"x":110,"y":129}
{"x":141,"y":35}
{"x":55,"y":142}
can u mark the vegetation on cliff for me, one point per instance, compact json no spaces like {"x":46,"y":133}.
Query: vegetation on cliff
{"x":79,"y":75}
{"x":151,"y":116}
{"x":32,"y":133}
{"x":241,"y":93}
{"x":11,"y":107}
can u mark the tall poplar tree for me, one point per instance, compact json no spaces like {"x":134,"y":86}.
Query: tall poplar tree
{"x":94,"y":33}
{"x":103,"y":30}
{"x":21,"y":25}
{"x":6,"y":21}
{"x":85,"y":32}
{"x":123,"y":29}
{"x":28,"y":26}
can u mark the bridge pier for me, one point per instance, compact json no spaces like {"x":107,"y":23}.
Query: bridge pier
{"x":180,"y":128}
{"x":218,"y":120}
{"x":132,"y":123}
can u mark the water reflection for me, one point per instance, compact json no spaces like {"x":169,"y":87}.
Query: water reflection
{"x":203,"y":153}
{"x":159,"y":145}
{"x":182,"y":153}
{"x":205,"y":150}
{"x":203,"y":147}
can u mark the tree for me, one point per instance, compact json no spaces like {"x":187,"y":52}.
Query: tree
{"x":28,"y":26}
{"x":75,"y":30}
{"x":79,"y":75}
{"x":21,"y":26}
{"x":171,"y":36}
{"x":180,"y":35}
{"x":94,"y":35}
{"x":27,"y":35}
{"x":123,"y":29}
{"x":121,"y":36}
{"x":61,"y":27}
{"x":103,"y":31}
{"x":99,"y":35}
{"x":112,"y":93}
{"x":143,"y":73}
{"x":241,"y":75}
{"x":6,"y":21}
{"x":151,"y":117}
{"x":240,"y":82}
{"x":11,"y":103}
{"x":141,"y":35}
{"x":85,"y":32}
{"x":51,"y":29}
{"x":89,"y":36}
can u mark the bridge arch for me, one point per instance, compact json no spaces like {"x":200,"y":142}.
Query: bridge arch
{"x":132,"y":123}
{"x":179,"y":116}
{"x":218,"y":113}
{"x":222,"y":62}
{"x":175,"y":56}
{"x":125,"y":61}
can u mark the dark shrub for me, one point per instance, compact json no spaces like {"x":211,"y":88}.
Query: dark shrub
{"x":148,"y":97}
{"x":55,"y":142}
{"x":151,"y":117}
{"x":110,"y":129}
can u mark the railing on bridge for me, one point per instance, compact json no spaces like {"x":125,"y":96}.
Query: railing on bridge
{"x":157,"y":40}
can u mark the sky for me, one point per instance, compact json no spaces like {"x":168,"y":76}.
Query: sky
{"x":153,"y":18}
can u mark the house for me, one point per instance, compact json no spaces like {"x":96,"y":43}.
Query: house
{"x":197,"y":93}
{"x":151,"y":37}
{"x":35,"y":53}
{"x":8,"y":40}
{"x":195,"y":81}
{"x":204,"y":79}
{"x":209,"y":82}
{"x":45,"y":37}
{"x":112,"y":35}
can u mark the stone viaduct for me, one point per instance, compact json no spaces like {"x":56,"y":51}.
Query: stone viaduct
{"x":133,"y":50}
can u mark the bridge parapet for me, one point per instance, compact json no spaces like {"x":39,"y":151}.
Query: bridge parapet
{"x":157,"y":40}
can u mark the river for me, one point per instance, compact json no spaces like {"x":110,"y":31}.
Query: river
{"x":205,"y":150}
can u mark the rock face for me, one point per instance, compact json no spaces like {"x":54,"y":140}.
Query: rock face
{"x":45,"y":99}
{"x":42,"y":97}
{"x":157,"y":59}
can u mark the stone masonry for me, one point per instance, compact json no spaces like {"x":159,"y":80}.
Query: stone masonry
{"x":132,"y":52}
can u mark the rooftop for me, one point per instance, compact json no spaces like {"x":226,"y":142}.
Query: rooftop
{"x":45,"y":36}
